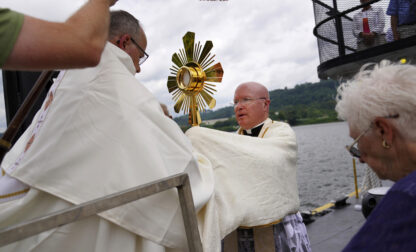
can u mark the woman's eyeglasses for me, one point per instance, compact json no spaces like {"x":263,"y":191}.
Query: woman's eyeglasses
{"x":354,"y":151}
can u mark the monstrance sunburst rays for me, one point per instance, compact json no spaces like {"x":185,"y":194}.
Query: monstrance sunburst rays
{"x":192,"y":72}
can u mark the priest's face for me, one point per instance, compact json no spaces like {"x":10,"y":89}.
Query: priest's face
{"x":251,"y":104}
{"x":135,"y":47}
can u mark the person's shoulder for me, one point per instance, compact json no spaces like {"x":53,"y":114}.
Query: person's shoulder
{"x":357,"y":15}
{"x":392,"y":9}
{"x":8,"y":16}
{"x":11,"y":23}
{"x":279,"y":127}
{"x":406,"y":185}
{"x":7,"y":11}
{"x":280,"y":124}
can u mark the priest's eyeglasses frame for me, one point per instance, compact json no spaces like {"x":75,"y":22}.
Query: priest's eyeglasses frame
{"x":246,"y":101}
{"x":145,"y":55}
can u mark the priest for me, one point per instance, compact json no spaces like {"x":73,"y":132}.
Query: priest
{"x":98,"y":132}
{"x":255,"y":202}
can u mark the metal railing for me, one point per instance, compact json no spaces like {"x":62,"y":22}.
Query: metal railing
{"x":336,"y":15}
{"x":75,"y":213}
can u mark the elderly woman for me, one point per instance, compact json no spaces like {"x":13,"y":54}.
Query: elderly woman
{"x":380,"y":107}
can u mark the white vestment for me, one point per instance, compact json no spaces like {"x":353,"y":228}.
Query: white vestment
{"x":99,"y":132}
{"x":255,"y":179}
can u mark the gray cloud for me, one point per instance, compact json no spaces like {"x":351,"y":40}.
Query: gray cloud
{"x":266,"y":41}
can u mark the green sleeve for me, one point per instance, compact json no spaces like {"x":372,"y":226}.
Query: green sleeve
{"x":10,"y":25}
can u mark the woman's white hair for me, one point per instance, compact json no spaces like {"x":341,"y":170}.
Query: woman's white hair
{"x":380,"y":90}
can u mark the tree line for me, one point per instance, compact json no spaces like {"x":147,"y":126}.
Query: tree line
{"x":306,"y":103}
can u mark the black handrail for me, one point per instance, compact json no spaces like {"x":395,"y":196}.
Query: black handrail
{"x":337,"y":15}
{"x":328,"y":7}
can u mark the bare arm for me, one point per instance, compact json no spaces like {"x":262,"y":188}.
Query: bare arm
{"x":394,"y":23}
{"x":76,"y":43}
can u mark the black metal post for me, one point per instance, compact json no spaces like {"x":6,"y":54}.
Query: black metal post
{"x":340,"y":33}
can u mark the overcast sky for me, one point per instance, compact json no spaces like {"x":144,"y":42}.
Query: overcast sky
{"x":268,"y":41}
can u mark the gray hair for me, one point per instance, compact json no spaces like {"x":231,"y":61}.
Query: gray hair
{"x":122,"y":22}
{"x":385,"y":90}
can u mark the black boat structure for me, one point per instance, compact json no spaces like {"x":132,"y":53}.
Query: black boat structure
{"x":338,"y":53}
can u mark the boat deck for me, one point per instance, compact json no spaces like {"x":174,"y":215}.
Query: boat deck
{"x":334,"y":230}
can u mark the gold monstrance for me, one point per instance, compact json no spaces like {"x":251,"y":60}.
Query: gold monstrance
{"x":192,"y":72}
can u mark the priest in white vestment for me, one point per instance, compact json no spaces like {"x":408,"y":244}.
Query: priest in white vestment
{"x":255,"y":180}
{"x":99,"y":132}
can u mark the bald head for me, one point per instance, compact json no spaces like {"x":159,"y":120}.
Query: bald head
{"x":256,"y":88}
{"x":251,"y":107}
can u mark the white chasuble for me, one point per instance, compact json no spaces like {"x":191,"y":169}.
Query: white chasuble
{"x":103,"y":133}
{"x":255,"y":179}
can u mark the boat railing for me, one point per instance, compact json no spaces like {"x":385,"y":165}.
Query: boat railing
{"x":180,"y":181}
{"x":340,"y":55}
{"x":339,"y":20}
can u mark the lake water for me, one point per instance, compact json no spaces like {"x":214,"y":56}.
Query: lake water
{"x":325,"y":169}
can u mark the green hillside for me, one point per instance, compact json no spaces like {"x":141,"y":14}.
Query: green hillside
{"x":208,"y":115}
{"x":304,"y":104}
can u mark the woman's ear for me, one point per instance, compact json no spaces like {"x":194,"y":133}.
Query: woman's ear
{"x":384,"y":128}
